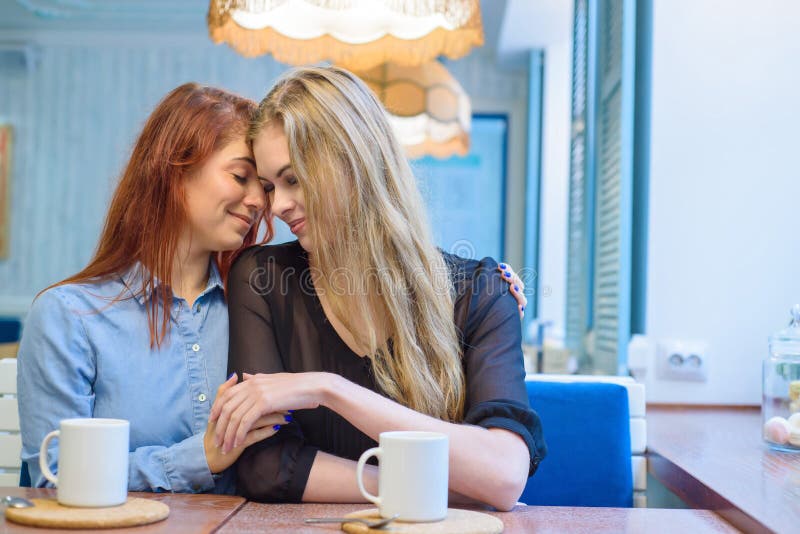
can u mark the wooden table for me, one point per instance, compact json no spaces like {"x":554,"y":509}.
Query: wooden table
{"x":215,"y":513}
{"x":714,"y":459}
{"x":285,"y":518}
{"x":187,"y":513}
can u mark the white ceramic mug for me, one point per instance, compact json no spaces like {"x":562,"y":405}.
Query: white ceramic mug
{"x":412,"y":475}
{"x":92,"y":462}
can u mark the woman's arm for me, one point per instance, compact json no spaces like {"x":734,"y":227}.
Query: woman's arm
{"x":56,"y":376}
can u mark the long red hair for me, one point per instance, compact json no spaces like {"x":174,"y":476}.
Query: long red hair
{"x":148,"y":210}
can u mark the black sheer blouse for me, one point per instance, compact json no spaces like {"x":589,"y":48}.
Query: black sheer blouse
{"x":277,"y":324}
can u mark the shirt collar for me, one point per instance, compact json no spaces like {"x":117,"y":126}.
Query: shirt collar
{"x":134,"y":277}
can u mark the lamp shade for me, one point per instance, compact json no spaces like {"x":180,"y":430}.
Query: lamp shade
{"x":429,"y":110}
{"x":356,"y":34}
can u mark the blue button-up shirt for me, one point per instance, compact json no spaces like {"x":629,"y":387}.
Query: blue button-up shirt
{"x":82,"y":355}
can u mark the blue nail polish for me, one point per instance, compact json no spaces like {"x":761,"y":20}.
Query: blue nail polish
{"x":508,"y":274}
{"x":503,"y":266}
{"x":516,"y":288}
{"x":287,"y":418}
{"x":290,"y":411}
{"x":231,"y":375}
{"x":276,"y":428}
{"x":522,"y":308}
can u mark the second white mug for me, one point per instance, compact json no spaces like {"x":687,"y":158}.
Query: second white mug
{"x":412,"y":475}
{"x":92,"y":461}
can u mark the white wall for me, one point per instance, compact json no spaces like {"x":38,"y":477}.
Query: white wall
{"x":724,"y":246}
{"x":555,"y":185}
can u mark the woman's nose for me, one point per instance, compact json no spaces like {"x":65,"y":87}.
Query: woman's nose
{"x":280,"y":201}
{"x":256,"y":198}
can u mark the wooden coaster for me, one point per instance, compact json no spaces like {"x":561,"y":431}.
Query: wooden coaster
{"x":457,"y":522}
{"x":48,"y":513}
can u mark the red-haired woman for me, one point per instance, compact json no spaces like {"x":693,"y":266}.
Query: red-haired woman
{"x":188,"y":201}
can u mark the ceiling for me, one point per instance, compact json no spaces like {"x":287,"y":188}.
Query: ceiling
{"x":532,"y":24}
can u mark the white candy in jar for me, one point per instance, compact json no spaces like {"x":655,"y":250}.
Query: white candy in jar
{"x":777,"y":430}
{"x":794,"y":421}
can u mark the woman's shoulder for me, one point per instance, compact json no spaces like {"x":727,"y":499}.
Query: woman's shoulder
{"x":71,"y":300}
{"x":80,"y":294}
{"x":472,"y":275}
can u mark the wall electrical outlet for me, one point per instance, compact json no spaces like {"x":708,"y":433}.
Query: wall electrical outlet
{"x":685,"y":360}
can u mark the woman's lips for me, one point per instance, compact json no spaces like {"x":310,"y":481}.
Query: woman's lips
{"x":244,"y":220}
{"x":297,"y":226}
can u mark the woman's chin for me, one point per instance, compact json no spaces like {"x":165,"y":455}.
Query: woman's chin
{"x":305,"y":242}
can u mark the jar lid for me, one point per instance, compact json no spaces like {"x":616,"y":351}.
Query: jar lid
{"x":787,"y":341}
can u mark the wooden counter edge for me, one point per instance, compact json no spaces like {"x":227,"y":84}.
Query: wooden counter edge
{"x":698,"y":495}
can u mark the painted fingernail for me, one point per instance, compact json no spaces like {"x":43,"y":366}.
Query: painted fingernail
{"x":276,"y":428}
{"x":287,"y":418}
{"x":522,"y":308}
{"x":516,"y":288}
{"x":290,"y":411}
{"x":503,"y":266}
{"x":508,"y":274}
{"x":231,"y":375}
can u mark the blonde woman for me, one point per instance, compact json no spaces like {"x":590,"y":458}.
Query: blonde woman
{"x":362,"y":325}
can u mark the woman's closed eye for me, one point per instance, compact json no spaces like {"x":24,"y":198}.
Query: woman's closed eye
{"x":268,"y":186}
{"x":241,"y":179}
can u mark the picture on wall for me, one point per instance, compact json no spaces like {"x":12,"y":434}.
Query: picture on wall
{"x":5,"y":188}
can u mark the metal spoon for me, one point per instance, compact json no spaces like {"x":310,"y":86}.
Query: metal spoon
{"x":16,"y":502}
{"x":369,"y":523}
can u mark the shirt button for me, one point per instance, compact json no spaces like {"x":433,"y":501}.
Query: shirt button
{"x":195,"y":347}
{"x":201,"y":397}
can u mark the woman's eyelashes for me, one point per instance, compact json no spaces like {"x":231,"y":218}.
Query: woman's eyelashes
{"x":268,"y":186}
{"x":241,"y":179}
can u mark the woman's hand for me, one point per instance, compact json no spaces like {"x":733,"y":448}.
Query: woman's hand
{"x":517,"y":287}
{"x":238,"y":410}
{"x":264,"y":427}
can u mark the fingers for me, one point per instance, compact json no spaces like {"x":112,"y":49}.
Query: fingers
{"x":239,"y":417}
{"x":272,"y":419}
{"x":260,"y":434}
{"x":266,"y":426}
{"x":516,"y":286}
{"x":225,"y":386}
{"x":253,"y":419}
{"x":228,"y":404}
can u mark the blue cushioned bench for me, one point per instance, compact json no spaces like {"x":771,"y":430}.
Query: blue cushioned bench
{"x":587,"y":430}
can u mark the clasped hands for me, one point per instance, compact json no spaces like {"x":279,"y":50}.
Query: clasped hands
{"x":253,"y":409}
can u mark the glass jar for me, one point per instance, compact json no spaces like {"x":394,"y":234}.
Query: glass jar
{"x":780,"y":401}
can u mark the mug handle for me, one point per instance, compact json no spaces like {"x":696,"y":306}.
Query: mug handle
{"x":43,"y":463}
{"x":377,"y":452}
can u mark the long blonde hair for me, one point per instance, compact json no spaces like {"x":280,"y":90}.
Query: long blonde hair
{"x":369,"y":229}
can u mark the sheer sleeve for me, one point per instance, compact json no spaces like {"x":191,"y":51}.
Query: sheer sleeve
{"x":493,"y":363}
{"x":276,"y":469}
